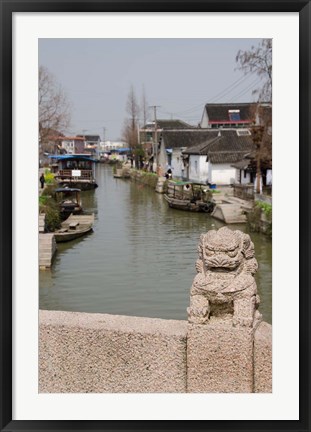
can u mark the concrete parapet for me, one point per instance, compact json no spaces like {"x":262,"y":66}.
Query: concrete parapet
{"x":263,"y":359}
{"x":99,"y":353}
{"x":219,"y":358}
{"x":82,"y":353}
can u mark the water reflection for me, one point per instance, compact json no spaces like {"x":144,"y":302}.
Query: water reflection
{"x":140,"y":258}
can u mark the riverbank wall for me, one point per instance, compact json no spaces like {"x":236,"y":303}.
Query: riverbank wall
{"x":259,"y":218}
{"x":98,"y":353}
{"x":144,"y":177}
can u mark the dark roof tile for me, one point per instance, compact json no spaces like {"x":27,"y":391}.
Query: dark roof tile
{"x":90,"y":137}
{"x":170,"y":124}
{"x":226,"y":147}
{"x":187,"y":138}
{"x":220,"y":112}
{"x":225,"y":157}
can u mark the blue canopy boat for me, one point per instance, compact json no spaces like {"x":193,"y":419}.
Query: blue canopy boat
{"x":75,"y":170}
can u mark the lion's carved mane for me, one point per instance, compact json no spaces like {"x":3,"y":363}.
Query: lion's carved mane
{"x":225,"y":270}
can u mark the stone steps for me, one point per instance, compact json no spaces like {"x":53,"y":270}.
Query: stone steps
{"x":160,"y":185}
{"x":47,"y":249}
{"x":229,"y":213}
{"x":41,"y":223}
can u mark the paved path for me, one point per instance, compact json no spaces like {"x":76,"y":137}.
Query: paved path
{"x":228,"y":208}
{"x":41,"y":171}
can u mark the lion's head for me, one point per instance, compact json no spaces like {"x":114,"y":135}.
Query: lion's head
{"x":225,"y":250}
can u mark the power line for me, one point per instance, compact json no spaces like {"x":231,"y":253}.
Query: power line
{"x":225,"y":93}
{"x":219,"y":95}
{"x":251,"y":86}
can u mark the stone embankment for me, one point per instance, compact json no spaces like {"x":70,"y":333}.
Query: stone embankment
{"x":47,"y":245}
{"x":47,"y":250}
{"x":228,"y":208}
{"x":144,"y":177}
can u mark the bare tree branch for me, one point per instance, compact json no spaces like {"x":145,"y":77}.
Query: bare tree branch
{"x":54,"y":108}
{"x":130,"y":129}
{"x":258,"y":60}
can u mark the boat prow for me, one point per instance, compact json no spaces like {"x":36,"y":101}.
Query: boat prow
{"x":74,"y":227}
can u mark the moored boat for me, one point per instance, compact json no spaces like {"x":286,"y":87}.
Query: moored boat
{"x":189,"y":196}
{"x":74,"y":227}
{"x":76,"y":170}
{"x":69,"y":201}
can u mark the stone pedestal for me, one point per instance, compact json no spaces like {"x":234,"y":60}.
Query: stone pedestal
{"x":263,"y":358}
{"x":220,"y":357}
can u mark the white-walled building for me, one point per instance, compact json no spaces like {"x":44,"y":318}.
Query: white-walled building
{"x":73,"y":144}
{"x":177,"y":141}
{"x":213,"y":160}
{"x":107,"y":146}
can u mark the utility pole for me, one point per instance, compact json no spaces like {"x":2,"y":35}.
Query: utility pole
{"x":155,"y":163}
{"x":257,"y":136}
{"x":104,"y":131}
{"x":83,"y":133}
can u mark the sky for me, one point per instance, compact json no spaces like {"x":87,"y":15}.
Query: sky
{"x":179,"y":76}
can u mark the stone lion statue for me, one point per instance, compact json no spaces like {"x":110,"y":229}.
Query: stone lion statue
{"x":225,"y":281}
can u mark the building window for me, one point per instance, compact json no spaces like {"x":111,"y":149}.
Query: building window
{"x":243,"y":132}
{"x":196,"y":166}
{"x":234,"y":115}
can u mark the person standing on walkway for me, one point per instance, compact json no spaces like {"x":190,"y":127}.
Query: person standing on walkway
{"x":42,"y":180}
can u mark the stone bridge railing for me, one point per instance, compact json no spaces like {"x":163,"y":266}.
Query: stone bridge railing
{"x":223,"y":348}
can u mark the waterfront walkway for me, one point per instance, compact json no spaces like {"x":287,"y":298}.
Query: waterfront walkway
{"x":230,"y":209}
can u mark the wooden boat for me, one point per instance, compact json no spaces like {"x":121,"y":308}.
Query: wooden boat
{"x":76,"y":170}
{"x":189,"y":196}
{"x":69,"y":201}
{"x":74,"y":227}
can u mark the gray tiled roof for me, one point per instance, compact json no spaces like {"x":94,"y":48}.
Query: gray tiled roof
{"x":242,"y":164}
{"x":170,"y":124}
{"x":187,"y":138}
{"x":226,"y":157}
{"x":226,"y":148}
{"x":203,"y":147}
{"x":219,"y":112}
{"x":92,"y":138}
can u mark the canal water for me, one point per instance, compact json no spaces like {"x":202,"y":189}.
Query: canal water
{"x":140,"y":258}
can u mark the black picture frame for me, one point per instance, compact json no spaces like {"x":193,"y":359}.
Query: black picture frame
{"x":9,"y":7}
